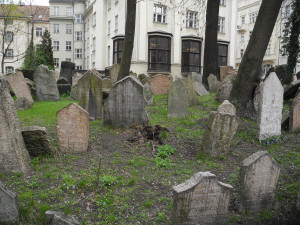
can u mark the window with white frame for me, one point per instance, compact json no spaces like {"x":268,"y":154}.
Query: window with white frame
{"x":78,"y":53}
{"x":55,"y":28}
{"x":252,"y":17}
{"x":78,"y":36}
{"x":9,"y":36}
{"x":55,"y":45}
{"x":56,"y":62}
{"x":68,"y":45}
{"x":68,"y":59}
{"x":9,"y":53}
{"x":191,"y":19}
{"x":78,"y":18}
{"x":160,"y":13}
{"x":56,"y":11}
{"x":221,"y":25}
{"x":108,"y":27}
{"x":9,"y":69}
{"x":116,"y":23}
{"x":243,"y":19}
{"x":69,"y":28}
{"x":38,"y":31}
{"x":69,"y":11}
{"x":222,"y":2}
{"x":242,"y":37}
{"x":94,"y":19}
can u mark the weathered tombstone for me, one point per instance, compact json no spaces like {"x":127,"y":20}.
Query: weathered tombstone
{"x":225,"y":71}
{"x":67,"y":70}
{"x":36,"y":141}
{"x":192,"y":95}
{"x":59,"y":218}
{"x":258,"y":179}
{"x":113,"y":72}
{"x":13,"y":154}
{"x":213,"y":83}
{"x":90,"y":94}
{"x":77,"y":75}
{"x":201,"y":200}
{"x":72,"y":128}
{"x":295,"y":114}
{"x":159,"y":84}
{"x":225,"y":87}
{"x":148,"y":94}
{"x":45,"y":82}
{"x":125,"y":104}
{"x":270,"y":107}
{"x":220,"y":130}
{"x":23,"y":103}
{"x":19,"y":86}
{"x":143,"y":78}
{"x":74,"y":93}
{"x":9,"y":210}
{"x":106,"y":87}
{"x":177,"y":100}
{"x":200,"y":89}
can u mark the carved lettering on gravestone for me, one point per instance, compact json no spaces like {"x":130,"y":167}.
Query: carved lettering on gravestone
{"x":72,"y":127}
{"x":258,"y":179}
{"x":90,"y":94}
{"x":177,"y":100}
{"x":159,"y":84}
{"x":295,"y":114}
{"x":270,"y":107}
{"x":201,"y":200}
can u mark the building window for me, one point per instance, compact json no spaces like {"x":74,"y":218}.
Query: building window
{"x":243,"y":19}
{"x":68,"y":45}
{"x":94,"y":44}
{"x":242,"y":53}
{"x":116,"y":24}
{"x":78,"y":67}
{"x":8,"y":21}
{"x":78,"y":36}
{"x":265,"y":68}
{"x":68,"y":59}
{"x":94,"y":20}
{"x":56,"y":62}
{"x":78,"y":53}
{"x":55,"y":45}
{"x":117,"y":50}
{"x":160,"y":13}
{"x":9,"y":69}
{"x":78,"y":18}
{"x":56,"y":11}
{"x":9,"y":53}
{"x":222,"y":54}
{"x":242,"y":37}
{"x":191,"y":56}
{"x":69,"y":11}
{"x":253,"y":17}
{"x":55,"y":28}
{"x":39,"y":32}
{"x":69,"y":28}
{"x":108,"y":28}
{"x":9,"y":36}
{"x":222,"y":2}
{"x":191,"y":19}
{"x":221,"y":25}
{"x":109,"y":4}
{"x":159,"y":55}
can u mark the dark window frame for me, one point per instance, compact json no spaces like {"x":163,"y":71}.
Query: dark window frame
{"x":117,"y":50}
{"x":189,"y":66}
{"x":221,"y":56}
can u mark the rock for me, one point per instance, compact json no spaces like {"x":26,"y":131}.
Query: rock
{"x":23,"y":103}
{"x":36,"y":141}
{"x":213,"y":83}
{"x":224,"y":89}
{"x":59,"y":218}
{"x":177,"y":100}
{"x":46,"y":87}
{"x":159,"y":84}
{"x":67,"y":71}
{"x":148,"y":94}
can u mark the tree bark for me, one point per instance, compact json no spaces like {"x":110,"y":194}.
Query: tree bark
{"x":211,"y":40}
{"x":250,"y":68}
{"x":129,"y":40}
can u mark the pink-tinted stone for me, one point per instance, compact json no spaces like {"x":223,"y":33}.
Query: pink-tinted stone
{"x":160,"y":84}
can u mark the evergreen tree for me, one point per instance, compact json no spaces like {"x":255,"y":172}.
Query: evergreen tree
{"x":30,"y":61}
{"x":44,"y":53}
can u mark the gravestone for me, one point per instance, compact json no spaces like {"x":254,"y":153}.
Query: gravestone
{"x":77,"y":75}
{"x":36,"y":141}
{"x":201,"y":200}
{"x":220,"y":130}
{"x":291,"y":90}
{"x":148,"y":94}
{"x":226,"y":71}
{"x":192,"y":95}
{"x":67,"y":70}
{"x":45,"y":82}
{"x":159,"y":84}
{"x":23,"y":103}
{"x":113,"y":72}
{"x":143,"y":78}
{"x":213,"y":83}
{"x":258,"y":179}
{"x":9,"y":210}
{"x":13,"y":154}
{"x":31,"y":86}
{"x":125,"y":104}
{"x":285,"y":120}
{"x":90,"y":94}
{"x":74,"y":93}
{"x":72,"y":128}
{"x":200,"y":89}
{"x":19,"y":86}
{"x":225,"y":87}
{"x":59,"y":218}
{"x":270,"y":107}
{"x":177,"y":100}
{"x":295,"y":114}
{"x":106,"y":87}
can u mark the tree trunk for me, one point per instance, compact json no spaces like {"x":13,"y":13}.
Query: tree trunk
{"x":211,"y":40}
{"x":250,"y":68}
{"x":129,"y":39}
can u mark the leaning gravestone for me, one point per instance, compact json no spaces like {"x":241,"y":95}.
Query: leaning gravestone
{"x":19,"y":86}
{"x":270,"y":107}
{"x":295,"y":114}
{"x":45,"y":82}
{"x":90,"y":94}
{"x":125,"y":104}
{"x":148,"y":94}
{"x":72,"y":127}
{"x":59,"y":218}
{"x":177,"y":100}
{"x":213,"y":83}
{"x":67,"y":70}
{"x":9,"y":210}
{"x":23,"y":103}
{"x":258,"y":179}
{"x":13,"y":154}
{"x":221,"y":128}
{"x":159,"y":84}
{"x":201,"y":200}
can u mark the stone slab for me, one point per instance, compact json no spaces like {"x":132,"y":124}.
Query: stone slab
{"x":178,"y":100}
{"x":148,"y":94}
{"x":213,"y":83}
{"x":67,"y":70}
{"x":59,"y":218}
{"x":160,"y":84}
